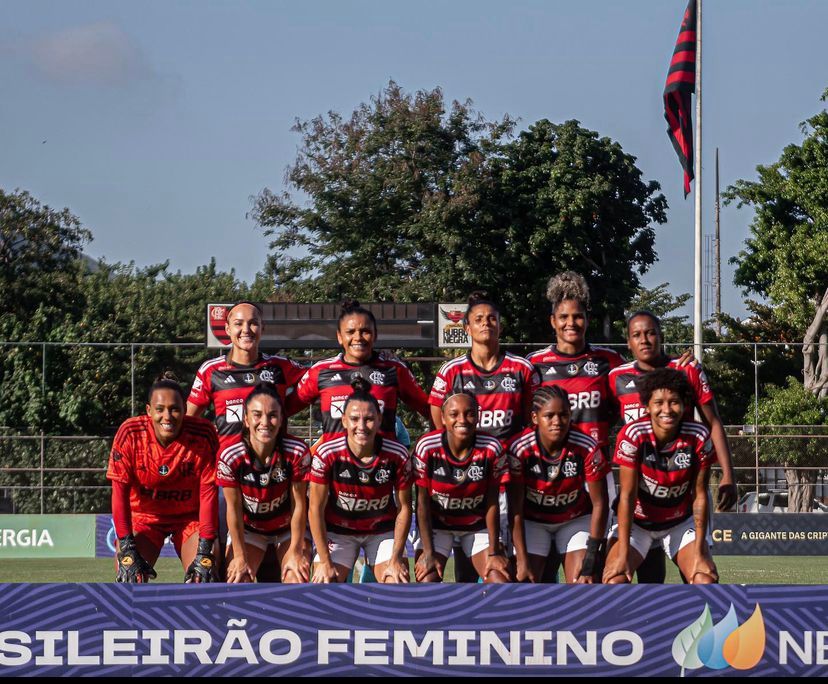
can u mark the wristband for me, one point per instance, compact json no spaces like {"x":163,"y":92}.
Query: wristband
{"x":594,"y":552}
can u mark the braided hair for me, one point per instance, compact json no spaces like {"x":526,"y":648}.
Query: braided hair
{"x":543,"y":395}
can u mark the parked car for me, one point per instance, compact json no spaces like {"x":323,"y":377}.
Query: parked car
{"x":772,"y":502}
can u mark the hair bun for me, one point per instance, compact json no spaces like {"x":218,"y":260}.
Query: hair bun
{"x":360,"y":385}
{"x":167,"y":375}
{"x":350,"y":305}
{"x":477,"y":297}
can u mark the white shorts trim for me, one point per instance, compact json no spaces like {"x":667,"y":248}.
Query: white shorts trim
{"x":262,"y":541}
{"x":571,"y":535}
{"x":471,"y":542}
{"x":672,"y":540}
{"x":345,"y":548}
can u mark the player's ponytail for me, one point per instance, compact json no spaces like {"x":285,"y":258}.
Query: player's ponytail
{"x":166,"y":380}
{"x":351,"y":307}
{"x":362,"y":392}
{"x":479,"y":298}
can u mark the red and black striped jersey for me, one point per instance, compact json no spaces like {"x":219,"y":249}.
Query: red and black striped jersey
{"x":166,"y":483}
{"x":555,"y":489}
{"x":666,"y":476}
{"x":622,"y":386}
{"x":361,"y":495}
{"x":504,"y":394}
{"x":226,"y":385}
{"x":457,"y":489}
{"x":584,"y":377}
{"x":265,"y":489}
{"x":329,"y":381}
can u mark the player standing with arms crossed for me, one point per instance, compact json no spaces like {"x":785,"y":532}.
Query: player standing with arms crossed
{"x":360,"y":496}
{"x":162,"y":468}
{"x":459,"y":473}
{"x":664,"y":468}
{"x":263,"y":478}
{"x":557,"y":492}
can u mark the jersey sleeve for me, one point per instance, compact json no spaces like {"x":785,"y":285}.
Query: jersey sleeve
{"x":596,"y":467}
{"x":307,"y":388}
{"x":702,"y":393}
{"x":320,"y":469}
{"x":410,"y":391}
{"x":421,"y":466}
{"x":515,"y":465}
{"x":626,"y":451}
{"x":208,"y":502}
{"x":707,"y":454}
{"x":120,"y":467}
{"x":227,"y":469}
{"x":405,"y":475}
{"x":440,"y":388}
{"x":200,"y":393}
{"x":500,"y":464}
{"x":301,"y":463}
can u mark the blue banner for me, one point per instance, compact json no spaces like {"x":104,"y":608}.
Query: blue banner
{"x":273,"y":630}
{"x":105,"y":539}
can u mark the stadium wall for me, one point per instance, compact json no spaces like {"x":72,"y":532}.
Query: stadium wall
{"x":266,"y":630}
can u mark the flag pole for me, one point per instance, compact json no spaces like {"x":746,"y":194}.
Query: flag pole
{"x":697,"y":299}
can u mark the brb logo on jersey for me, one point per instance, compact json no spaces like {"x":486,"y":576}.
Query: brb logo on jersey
{"x":717,"y":646}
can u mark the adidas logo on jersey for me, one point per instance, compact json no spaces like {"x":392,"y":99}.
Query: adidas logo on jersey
{"x":336,"y":378}
{"x":345,"y":475}
{"x":440,"y":471}
{"x":551,"y":371}
{"x":469,"y":385}
{"x":229,"y":380}
{"x":536,"y":469}
{"x":630,"y":385}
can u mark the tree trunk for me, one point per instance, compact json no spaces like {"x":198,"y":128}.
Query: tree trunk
{"x":801,"y":485}
{"x":814,"y":350}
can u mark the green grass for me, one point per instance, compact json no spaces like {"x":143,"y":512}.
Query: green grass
{"x":732,"y":570}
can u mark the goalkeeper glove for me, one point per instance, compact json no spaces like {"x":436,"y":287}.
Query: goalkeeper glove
{"x":132,"y":568}
{"x":201,"y":569}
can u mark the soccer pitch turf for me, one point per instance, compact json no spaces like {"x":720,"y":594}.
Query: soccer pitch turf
{"x":732,"y":570}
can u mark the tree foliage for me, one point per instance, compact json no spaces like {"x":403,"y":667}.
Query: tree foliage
{"x":410,"y":199}
{"x":786,"y":257}
{"x":660,"y":301}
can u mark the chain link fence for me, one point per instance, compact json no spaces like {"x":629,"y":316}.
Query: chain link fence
{"x":44,"y":472}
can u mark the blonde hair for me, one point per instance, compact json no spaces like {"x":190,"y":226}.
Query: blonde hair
{"x":567,"y":285}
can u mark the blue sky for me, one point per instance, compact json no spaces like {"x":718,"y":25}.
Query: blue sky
{"x":155,"y":122}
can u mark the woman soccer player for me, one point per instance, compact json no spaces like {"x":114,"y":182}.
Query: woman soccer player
{"x":360,"y":496}
{"x":459,"y":472}
{"x":664,"y":467}
{"x":388,"y":378}
{"x":502,"y":383}
{"x":557,"y":492}
{"x":645,"y":340}
{"x":263,"y":477}
{"x":162,"y":468}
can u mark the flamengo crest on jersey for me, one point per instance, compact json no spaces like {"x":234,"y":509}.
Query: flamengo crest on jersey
{"x":361,"y":495}
{"x":265,"y":491}
{"x":666,"y":477}
{"x":502,"y":393}
{"x":584,"y":377}
{"x":457,"y":489}
{"x":556,"y":489}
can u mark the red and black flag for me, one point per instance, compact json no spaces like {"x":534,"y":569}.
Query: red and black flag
{"x":681,"y":82}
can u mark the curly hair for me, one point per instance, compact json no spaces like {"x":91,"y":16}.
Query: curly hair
{"x":664,"y":379}
{"x":565,"y":286}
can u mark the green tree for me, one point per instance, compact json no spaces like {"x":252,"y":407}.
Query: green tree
{"x":409,"y":200}
{"x":660,"y":301}
{"x":793,"y":405}
{"x":786,"y":257}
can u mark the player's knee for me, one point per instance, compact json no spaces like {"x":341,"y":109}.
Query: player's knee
{"x":704,"y":578}
{"x":496,"y":577}
{"x":431,"y":577}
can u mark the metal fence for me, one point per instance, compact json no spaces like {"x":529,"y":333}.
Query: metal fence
{"x":43,"y":472}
